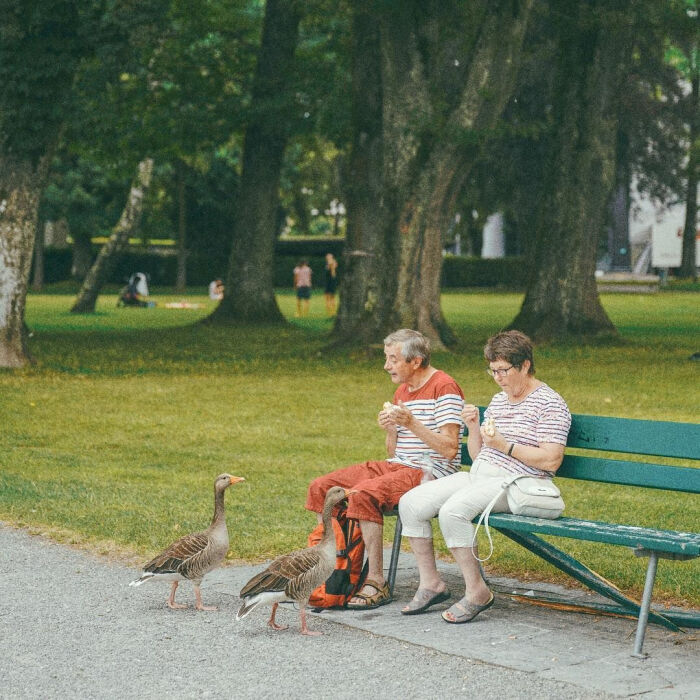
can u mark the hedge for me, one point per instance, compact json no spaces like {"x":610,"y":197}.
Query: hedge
{"x":202,"y":268}
{"x":459,"y":271}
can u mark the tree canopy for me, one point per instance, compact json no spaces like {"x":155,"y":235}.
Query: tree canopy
{"x":263,"y":117}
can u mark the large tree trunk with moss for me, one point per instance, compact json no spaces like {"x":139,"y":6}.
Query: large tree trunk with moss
{"x":21,"y":184}
{"x":439,"y":76}
{"x":562,"y":299}
{"x":368,"y":285}
{"x":688,"y":269}
{"x":108,"y":256}
{"x":250,"y":292}
{"x":40,"y":47}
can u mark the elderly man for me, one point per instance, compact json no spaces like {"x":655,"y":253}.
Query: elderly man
{"x":423,"y":433}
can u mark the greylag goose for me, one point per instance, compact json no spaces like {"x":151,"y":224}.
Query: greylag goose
{"x":193,"y":556}
{"x":295,"y":576}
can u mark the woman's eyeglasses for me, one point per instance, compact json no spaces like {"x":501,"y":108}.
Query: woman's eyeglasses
{"x":499,"y":372}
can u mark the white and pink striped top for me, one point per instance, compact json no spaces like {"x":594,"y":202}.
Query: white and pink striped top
{"x":438,"y":402}
{"x":541,"y":416}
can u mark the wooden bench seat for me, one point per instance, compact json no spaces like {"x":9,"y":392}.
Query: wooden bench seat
{"x":591,"y":441}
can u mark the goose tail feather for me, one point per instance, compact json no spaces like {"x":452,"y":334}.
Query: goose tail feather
{"x":145,"y":577}
{"x":248,"y":606}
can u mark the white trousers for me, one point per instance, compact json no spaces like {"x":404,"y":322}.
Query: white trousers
{"x":456,"y":500}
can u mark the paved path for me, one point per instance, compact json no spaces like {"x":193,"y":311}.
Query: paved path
{"x":70,"y":627}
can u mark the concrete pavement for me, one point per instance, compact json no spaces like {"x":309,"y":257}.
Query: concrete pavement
{"x":71,"y":627}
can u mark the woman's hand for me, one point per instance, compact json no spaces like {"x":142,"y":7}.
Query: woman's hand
{"x":470,"y":416}
{"x":495,"y":441}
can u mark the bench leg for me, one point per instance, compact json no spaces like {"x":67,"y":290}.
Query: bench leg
{"x":395,"y":551}
{"x":582,"y":573}
{"x":646,"y":604}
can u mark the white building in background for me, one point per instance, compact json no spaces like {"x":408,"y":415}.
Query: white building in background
{"x":494,"y":241}
{"x":656,"y":235}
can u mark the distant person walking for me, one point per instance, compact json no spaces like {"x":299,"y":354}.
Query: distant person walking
{"x":302,"y":284}
{"x":331,"y":283}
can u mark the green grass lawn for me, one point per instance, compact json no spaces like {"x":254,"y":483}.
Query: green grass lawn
{"x":113,"y":439}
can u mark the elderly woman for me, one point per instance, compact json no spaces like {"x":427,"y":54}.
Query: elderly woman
{"x":531,"y":426}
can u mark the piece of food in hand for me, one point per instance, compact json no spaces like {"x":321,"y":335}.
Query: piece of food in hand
{"x":490,"y":427}
{"x":388,"y":406}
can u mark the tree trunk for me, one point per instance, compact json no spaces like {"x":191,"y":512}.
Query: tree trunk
{"x":82,"y":256}
{"x":181,"y":279}
{"x":38,"y":272}
{"x":443,"y":73}
{"x":128,"y":224}
{"x":562,"y":299}
{"x":250,"y":294}
{"x":21,"y":184}
{"x":368,"y":284}
{"x":688,"y":269}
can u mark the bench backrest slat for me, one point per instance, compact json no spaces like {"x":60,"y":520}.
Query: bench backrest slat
{"x":601,"y":434}
{"x":644,"y":437}
{"x":616,"y":471}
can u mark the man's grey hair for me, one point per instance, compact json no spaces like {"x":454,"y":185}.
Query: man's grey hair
{"x":413,"y":344}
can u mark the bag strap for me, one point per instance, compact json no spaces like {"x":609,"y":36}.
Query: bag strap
{"x":484,"y":517}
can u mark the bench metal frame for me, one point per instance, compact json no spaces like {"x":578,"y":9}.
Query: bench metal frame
{"x":599,"y":436}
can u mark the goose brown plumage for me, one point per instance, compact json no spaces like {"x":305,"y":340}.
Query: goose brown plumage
{"x":295,"y":576}
{"x":193,"y":556}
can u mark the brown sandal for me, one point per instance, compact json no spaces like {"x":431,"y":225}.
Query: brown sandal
{"x":372,"y":600}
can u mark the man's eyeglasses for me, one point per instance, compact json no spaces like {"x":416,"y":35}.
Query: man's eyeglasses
{"x":499,"y":372}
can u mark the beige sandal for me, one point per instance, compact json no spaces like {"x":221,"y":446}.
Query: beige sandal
{"x":464,"y":611}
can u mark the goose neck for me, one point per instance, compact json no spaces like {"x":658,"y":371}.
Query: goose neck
{"x":219,"y":510}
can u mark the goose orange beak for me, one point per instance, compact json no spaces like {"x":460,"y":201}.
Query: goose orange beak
{"x":236,"y":479}
{"x":349,"y":491}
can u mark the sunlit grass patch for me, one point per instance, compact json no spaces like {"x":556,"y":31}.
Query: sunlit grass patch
{"x":118,"y":431}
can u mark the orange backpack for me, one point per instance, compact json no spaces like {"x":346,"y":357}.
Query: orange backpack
{"x":349,"y":573}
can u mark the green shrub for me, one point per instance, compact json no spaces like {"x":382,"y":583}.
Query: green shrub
{"x":459,"y":271}
{"x":203,"y":264}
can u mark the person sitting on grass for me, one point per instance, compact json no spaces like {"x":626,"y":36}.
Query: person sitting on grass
{"x":130,"y":296}
{"x":423,"y":432}
{"x":531,"y":427}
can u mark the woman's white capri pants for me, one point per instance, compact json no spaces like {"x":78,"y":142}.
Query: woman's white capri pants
{"x":457,"y":499}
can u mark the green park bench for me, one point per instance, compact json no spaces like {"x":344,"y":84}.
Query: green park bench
{"x":593,"y":438}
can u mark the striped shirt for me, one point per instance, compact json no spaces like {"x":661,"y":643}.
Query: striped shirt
{"x":438,"y":402}
{"x":541,"y":416}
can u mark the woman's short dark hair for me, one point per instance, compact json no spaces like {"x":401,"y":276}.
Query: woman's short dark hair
{"x":511,"y":346}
